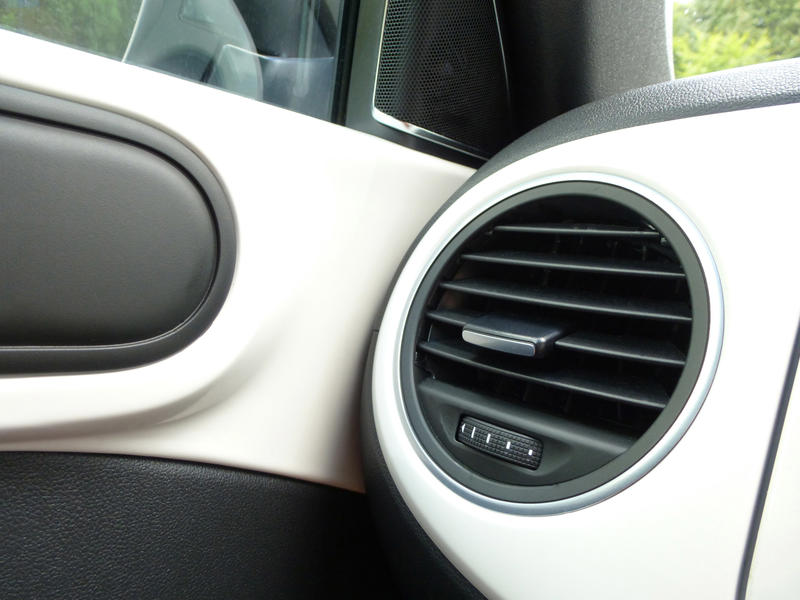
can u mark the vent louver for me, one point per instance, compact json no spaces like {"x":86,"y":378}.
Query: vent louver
{"x":616,"y":289}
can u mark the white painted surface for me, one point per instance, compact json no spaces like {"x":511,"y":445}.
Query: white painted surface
{"x":681,"y":530}
{"x":324,"y":215}
{"x":774,"y":574}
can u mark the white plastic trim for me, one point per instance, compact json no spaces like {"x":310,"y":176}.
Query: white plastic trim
{"x":773,"y":573}
{"x":324,"y":214}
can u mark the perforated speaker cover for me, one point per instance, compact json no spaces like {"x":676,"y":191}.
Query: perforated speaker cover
{"x":442,"y":75}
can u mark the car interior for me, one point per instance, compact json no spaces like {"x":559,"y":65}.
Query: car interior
{"x":399,"y":299}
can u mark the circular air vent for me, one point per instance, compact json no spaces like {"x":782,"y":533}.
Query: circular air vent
{"x":554,"y":341}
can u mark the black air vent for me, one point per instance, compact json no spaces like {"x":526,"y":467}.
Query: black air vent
{"x":575,"y":314}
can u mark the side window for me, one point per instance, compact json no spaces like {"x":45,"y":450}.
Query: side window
{"x":282,"y":52}
{"x":711,"y":35}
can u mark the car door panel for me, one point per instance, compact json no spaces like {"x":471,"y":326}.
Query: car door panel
{"x":100,"y":526}
{"x":315,"y":210}
{"x":321,"y":213}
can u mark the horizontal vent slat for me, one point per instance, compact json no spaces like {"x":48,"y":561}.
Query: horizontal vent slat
{"x":627,"y":390}
{"x":587,"y":264}
{"x":453,"y":317}
{"x":599,"y":443}
{"x":579,"y":301}
{"x":579,"y":229}
{"x":624,"y":347}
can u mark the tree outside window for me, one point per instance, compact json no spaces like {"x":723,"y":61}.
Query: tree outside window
{"x":711,"y":35}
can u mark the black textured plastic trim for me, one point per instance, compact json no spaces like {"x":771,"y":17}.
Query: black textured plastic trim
{"x":145,"y":335}
{"x":94,"y":527}
{"x":420,"y":569}
{"x":756,"y":86}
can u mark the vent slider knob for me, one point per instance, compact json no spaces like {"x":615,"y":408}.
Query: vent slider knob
{"x":512,"y":336}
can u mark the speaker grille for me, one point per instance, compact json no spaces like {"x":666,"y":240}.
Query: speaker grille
{"x":441,"y":69}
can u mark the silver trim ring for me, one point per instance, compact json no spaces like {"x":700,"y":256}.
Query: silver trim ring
{"x":445,"y":228}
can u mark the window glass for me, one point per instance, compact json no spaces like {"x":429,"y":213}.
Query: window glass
{"x":711,"y":35}
{"x":279,"y":51}
{"x":102,"y":26}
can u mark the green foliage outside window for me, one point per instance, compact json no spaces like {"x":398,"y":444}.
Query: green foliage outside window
{"x":102,"y":26}
{"x":711,"y":35}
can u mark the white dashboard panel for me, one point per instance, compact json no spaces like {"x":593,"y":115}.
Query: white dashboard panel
{"x":323,"y":215}
{"x":774,"y":574}
{"x":681,"y":530}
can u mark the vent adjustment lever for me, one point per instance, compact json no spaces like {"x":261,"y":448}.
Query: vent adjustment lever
{"x":512,"y":336}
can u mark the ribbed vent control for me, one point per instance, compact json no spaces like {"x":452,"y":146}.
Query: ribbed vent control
{"x":568,"y":318}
